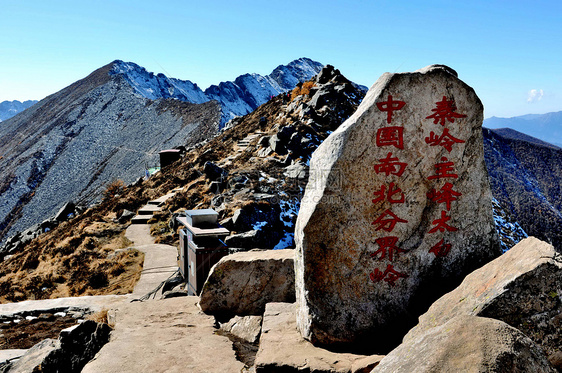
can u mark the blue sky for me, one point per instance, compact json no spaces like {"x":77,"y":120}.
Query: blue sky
{"x":510,"y":52}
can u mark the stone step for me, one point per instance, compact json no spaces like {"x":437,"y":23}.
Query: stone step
{"x":141,"y":219}
{"x":161,"y":200}
{"x":148,"y":209}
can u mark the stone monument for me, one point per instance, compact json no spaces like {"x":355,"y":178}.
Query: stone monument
{"x":396,"y":212}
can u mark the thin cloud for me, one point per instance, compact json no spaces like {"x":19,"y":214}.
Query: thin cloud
{"x":535,"y":95}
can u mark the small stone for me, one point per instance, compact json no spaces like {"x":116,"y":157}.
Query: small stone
{"x":247,"y":328}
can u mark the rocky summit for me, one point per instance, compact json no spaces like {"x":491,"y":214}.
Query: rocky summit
{"x":396,"y":212}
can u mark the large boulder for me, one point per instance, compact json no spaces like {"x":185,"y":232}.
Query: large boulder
{"x":467,"y":344}
{"x":396,"y":212}
{"x":243,"y":283}
{"x":283,"y":349}
{"x":523,"y":288}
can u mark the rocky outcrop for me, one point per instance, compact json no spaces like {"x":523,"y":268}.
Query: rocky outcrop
{"x":33,"y":357}
{"x":78,"y":345}
{"x":75,"y":347}
{"x":522,"y":288}
{"x":283,"y":349}
{"x":243,"y":283}
{"x":20,"y":239}
{"x":467,"y":344}
{"x":397,"y":213}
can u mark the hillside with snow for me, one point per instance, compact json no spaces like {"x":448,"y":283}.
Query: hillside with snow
{"x":237,"y":98}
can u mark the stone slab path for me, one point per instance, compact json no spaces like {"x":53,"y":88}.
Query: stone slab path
{"x":170,"y":335}
{"x":160,"y":261}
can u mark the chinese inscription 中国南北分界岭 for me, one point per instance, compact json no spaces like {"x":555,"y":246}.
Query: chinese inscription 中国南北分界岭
{"x":444,"y":112}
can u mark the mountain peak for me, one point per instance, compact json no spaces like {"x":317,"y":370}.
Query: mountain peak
{"x":238,"y":97}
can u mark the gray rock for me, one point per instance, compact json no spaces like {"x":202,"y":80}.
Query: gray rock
{"x":247,"y":328}
{"x":243,"y":283}
{"x":173,"y":282}
{"x":319,"y":99}
{"x":264,"y":141}
{"x":297,"y":170}
{"x":246,"y":240}
{"x":395,"y":212}
{"x":252,"y":214}
{"x":126,"y":216}
{"x":216,"y":187}
{"x":283,"y":349}
{"x":467,"y":344}
{"x":523,"y":288}
{"x":62,"y":214}
{"x":34,"y":356}
{"x":263,"y":238}
{"x":214,"y":172}
{"x":174,"y":293}
{"x":277,"y":145}
{"x":78,"y":345}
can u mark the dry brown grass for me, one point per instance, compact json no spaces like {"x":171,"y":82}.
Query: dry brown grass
{"x":302,"y":90}
{"x":80,"y":263}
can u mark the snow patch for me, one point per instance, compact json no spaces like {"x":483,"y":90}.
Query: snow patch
{"x":286,"y":242}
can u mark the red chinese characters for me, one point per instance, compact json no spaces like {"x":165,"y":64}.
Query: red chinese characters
{"x":390,"y":275}
{"x":390,"y":166}
{"x":392,"y":194}
{"x":390,"y":106}
{"x":445,"y":140}
{"x":387,"y":245}
{"x":390,"y":136}
{"x":387,"y":221}
{"x":445,"y":195}
{"x":445,"y":111}
{"x":441,"y":249}
{"x":443,"y":169}
{"x":441,"y":224}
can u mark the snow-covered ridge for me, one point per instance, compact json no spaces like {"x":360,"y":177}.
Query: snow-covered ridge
{"x":238,"y":97}
{"x":158,"y":86}
{"x":10,"y":108}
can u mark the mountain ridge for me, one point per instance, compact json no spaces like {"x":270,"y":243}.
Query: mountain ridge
{"x":10,"y":108}
{"x":546,"y":127}
{"x":111,"y":125}
{"x":237,"y":98}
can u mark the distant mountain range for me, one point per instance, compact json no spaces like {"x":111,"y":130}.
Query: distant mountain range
{"x":10,"y":108}
{"x":545,"y":127}
{"x":237,"y":98}
{"x":112,"y":125}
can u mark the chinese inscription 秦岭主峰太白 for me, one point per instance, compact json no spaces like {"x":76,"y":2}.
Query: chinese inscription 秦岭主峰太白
{"x":443,"y":113}
{"x":389,"y":166}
